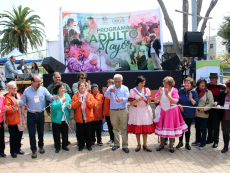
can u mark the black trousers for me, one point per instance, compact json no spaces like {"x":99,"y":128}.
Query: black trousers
{"x":2,"y":138}
{"x":84,"y":134}
{"x":213,"y":127}
{"x":34,"y":120}
{"x":57,"y":130}
{"x":188,"y":121}
{"x":96,"y":128}
{"x":15,"y":138}
{"x":111,"y":134}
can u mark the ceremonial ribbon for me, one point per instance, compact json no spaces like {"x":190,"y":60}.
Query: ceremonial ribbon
{"x":66,"y":118}
{"x":141,"y":92}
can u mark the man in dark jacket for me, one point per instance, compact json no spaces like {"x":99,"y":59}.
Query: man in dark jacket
{"x":154,"y":50}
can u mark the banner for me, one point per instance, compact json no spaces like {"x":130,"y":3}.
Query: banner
{"x":204,"y":68}
{"x":108,"y":42}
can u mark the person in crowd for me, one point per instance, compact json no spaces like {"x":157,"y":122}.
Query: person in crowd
{"x":205,"y":98}
{"x":98,"y":114}
{"x":184,"y":69}
{"x":119,"y":94}
{"x":141,"y":60}
{"x":224,"y":114}
{"x":81,"y":78}
{"x":35,"y":97}
{"x":69,"y":33}
{"x":15,"y":119}
{"x":165,"y":113}
{"x":214,"y":118}
{"x":83,"y":103}
{"x":56,"y":80}
{"x":192,"y":68}
{"x":22,"y":66}
{"x":188,"y":97}
{"x":140,"y":113}
{"x":106,"y":112}
{"x":34,"y":69}
{"x":60,"y":116}
{"x":11,"y":71}
{"x":2,"y":136}
{"x":154,"y":50}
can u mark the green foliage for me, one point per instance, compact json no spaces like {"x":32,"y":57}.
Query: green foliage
{"x":20,"y":29}
{"x":224,"y":61}
{"x":224,"y":32}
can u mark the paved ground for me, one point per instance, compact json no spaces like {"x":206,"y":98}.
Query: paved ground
{"x":103,"y":159}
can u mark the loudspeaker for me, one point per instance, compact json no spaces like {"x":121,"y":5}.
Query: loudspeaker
{"x":25,"y":77}
{"x":171,"y":64}
{"x":193,"y":44}
{"x":51,"y":65}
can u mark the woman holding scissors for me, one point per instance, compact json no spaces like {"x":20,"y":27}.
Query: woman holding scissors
{"x":140,"y":113}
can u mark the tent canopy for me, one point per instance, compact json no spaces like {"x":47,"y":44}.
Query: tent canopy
{"x":18,"y":55}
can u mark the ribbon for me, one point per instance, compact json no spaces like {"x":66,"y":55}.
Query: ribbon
{"x":141,"y":92}
{"x":66,"y":118}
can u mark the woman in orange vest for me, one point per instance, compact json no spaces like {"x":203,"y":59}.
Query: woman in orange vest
{"x":106,"y":110}
{"x":83,"y":103}
{"x":97,"y":112}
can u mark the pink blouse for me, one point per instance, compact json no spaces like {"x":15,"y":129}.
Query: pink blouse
{"x":174,"y":94}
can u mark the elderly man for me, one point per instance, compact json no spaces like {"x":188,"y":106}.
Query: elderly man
{"x":214,"y":115}
{"x":15,"y":119}
{"x":35,"y":97}
{"x":10,"y":69}
{"x":154,"y":50}
{"x":56,"y":80}
{"x":119,"y":94}
{"x":22,"y":66}
{"x":81,"y":78}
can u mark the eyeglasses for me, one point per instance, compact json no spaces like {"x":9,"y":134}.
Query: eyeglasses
{"x":83,"y":77}
{"x":13,"y":88}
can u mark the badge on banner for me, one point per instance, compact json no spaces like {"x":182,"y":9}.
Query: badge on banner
{"x":36,"y":99}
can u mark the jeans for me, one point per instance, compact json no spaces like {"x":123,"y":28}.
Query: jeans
{"x":213,"y":127}
{"x":201,"y":130}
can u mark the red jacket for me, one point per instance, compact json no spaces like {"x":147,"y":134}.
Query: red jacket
{"x":106,"y":107}
{"x":99,"y":100}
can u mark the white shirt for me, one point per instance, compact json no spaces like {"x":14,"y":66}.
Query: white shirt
{"x":63,"y":107}
{"x":152,"y":50}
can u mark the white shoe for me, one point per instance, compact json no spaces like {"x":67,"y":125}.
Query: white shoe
{"x":110,"y":141}
{"x":112,"y":144}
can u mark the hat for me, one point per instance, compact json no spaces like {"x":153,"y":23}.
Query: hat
{"x":90,"y":17}
{"x":153,"y":35}
{"x":213,"y":75}
{"x":94,"y":85}
{"x":227,"y":83}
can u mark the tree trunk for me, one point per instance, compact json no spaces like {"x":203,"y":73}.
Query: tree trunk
{"x":169,"y":24}
{"x":212,"y":5}
{"x":20,"y":44}
{"x":185,"y":20}
{"x":199,"y":5}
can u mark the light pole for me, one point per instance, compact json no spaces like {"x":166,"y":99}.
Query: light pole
{"x":209,"y":42}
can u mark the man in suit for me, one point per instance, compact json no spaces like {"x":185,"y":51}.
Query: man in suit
{"x":154,"y":50}
{"x":10,"y":69}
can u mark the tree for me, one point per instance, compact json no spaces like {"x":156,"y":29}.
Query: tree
{"x":224,"y":32}
{"x":20,"y":29}
{"x":169,"y":22}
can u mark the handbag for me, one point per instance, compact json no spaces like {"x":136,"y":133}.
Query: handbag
{"x":206,"y":112}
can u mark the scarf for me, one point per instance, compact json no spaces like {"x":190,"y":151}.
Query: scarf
{"x":201,"y":93}
{"x":83,"y":106}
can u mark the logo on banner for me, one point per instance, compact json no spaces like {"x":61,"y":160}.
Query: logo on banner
{"x":118,"y":20}
{"x":105,"y":21}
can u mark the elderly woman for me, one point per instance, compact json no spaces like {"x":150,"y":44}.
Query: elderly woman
{"x":224,"y":100}
{"x":140,"y":113}
{"x":15,"y":119}
{"x":169,"y":121}
{"x":83,"y":103}
{"x":205,"y":98}
{"x":97,"y":112}
{"x":60,"y":113}
{"x":188,"y":97}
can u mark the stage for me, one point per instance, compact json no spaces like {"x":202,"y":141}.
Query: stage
{"x":154,"y":79}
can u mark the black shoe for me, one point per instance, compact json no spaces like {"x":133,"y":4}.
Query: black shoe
{"x":171,"y":150}
{"x":209,"y":142}
{"x":89,"y":148}
{"x":34,"y":154}
{"x":138,"y":148}
{"x":65,"y":148}
{"x":3,"y":155}
{"x":195,"y":143}
{"x":187,"y":146}
{"x":126,"y":150}
{"x":224,"y":150}
{"x":160,"y":148}
{"x":215,"y":145}
{"x":115,"y":148}
{"x":57,"y":151}
{"x":180,"y":144}
{"x":147,"y":149}
{"x":41,"y":150}
{"x":20,"y":152}
{"x":14,"y":155}
{"x":80,"y":149}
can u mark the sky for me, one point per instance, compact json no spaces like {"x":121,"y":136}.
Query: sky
{"x":48,"y":10}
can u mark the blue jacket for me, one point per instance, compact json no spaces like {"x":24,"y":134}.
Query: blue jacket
{"x":184,"y":100}
{"x":156,"y":46}
{"x":20,"y":68}
{"x":10,"y":70}
{"x":193,"y":66}
{"x":56,"y":110}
